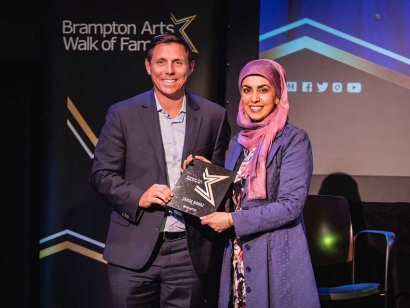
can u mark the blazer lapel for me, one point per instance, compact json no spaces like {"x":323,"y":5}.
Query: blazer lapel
{"x":193,"y":123}
{"x":149,"y":117}
{"x":233,"y":155}
{"x":275,"y":147}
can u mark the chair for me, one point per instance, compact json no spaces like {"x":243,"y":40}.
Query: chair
{"x":331,"y":243}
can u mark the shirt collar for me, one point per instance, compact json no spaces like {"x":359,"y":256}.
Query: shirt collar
{"x":159,"y":107}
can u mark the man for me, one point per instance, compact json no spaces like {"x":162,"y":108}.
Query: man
{"x":158,"y":257}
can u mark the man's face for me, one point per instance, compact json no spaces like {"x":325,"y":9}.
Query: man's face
{"x":169,"y":69}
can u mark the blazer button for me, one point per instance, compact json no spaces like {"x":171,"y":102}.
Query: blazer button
{"x":157,"y":228}
{"x":248,"y":269}
{"x":247,"y":247}
{"x":248,"y":290}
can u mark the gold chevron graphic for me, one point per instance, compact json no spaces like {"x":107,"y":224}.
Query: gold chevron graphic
{"x":73,"y":247}
{"x":186,"y":21}
{"x":338,"y":55}
{"x":80,"y":120}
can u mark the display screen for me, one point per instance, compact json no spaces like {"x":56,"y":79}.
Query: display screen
{"x":348,"y":74}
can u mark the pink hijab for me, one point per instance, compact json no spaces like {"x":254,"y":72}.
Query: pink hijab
{"x":261,"y":134}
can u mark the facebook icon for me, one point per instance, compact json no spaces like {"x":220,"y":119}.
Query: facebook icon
{"x":292,"y":86}
{"x":306,"y":87}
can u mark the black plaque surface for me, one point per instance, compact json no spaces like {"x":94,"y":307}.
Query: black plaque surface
{"x":201,"y":188}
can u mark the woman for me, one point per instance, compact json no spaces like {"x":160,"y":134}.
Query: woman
{"x":267,"y":261}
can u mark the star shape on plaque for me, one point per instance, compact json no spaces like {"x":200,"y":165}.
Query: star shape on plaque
{"x":209,"y":179}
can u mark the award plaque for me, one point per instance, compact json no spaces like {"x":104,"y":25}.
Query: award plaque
{"x":201,"y":188}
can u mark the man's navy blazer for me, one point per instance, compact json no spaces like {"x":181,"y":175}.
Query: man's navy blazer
{"x":129,"y":158}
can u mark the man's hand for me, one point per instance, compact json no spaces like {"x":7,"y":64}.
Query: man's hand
{"x":156,"y":194}
{"x":191,"y":158}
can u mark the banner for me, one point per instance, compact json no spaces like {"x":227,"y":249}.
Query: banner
{"x":94,"y":57}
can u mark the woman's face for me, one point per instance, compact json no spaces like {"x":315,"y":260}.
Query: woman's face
{"x":258,"y":97}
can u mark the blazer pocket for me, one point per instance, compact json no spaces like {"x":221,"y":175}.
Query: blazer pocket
{"x":115,"y":217}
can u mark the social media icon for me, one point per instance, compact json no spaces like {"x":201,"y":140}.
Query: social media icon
{"x":354,"y":87}
{"x":337,"y":87}
{"x":321,"y":87}
{"x":306,"y":87}
{"x":292,"y":86}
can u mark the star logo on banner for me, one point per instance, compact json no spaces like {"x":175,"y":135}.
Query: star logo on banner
{"x":185,"y":21}
{"x":209,"y":179}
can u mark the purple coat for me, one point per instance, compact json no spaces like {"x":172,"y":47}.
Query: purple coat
{"x":277,"y":265}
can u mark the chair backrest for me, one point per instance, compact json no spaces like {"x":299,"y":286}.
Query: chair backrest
{"x":328,"y":229}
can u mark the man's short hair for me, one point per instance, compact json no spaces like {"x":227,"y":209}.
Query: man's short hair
{"x":169,"y":38}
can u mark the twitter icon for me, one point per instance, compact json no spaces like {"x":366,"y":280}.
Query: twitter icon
{"x":321,"y":87}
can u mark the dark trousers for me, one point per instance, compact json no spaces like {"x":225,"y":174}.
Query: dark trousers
{"x":170,"y":281}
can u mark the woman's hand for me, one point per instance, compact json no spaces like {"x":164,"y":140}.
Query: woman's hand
{"x":219,"y":221}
